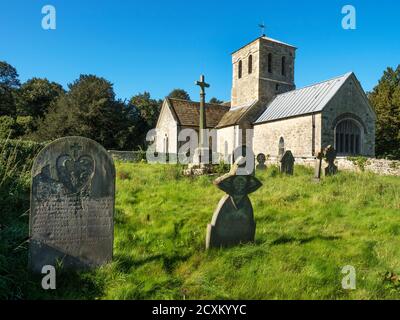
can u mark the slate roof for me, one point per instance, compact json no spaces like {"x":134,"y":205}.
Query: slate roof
{"x":187,"y":112}
{"x":311,"y":99}
{"x":234,"y":115}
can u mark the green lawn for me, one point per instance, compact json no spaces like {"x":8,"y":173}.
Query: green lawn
{"x":306,"y":232}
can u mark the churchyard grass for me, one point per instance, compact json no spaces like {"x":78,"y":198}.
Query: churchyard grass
{"x":306,"y":233}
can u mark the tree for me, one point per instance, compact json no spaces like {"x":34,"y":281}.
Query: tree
{"x":8,"y":84}
{"x":147,"y":111}
{"x":35,"y":96}
{"x":90,"y":109}
{"x":385,"y":98}
{"x":148,"y":108}
{"x":179,"y":94}
{"x":216,"y":101}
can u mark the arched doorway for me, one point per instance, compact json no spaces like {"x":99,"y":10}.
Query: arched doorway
{"x":348,"y":137}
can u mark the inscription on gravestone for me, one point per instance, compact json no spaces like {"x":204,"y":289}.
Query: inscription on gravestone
{"x":72,"y":205}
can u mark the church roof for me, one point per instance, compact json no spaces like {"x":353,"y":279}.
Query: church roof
{"x":187,"y":112}
{"x":302,"y":101}
{"x":234,"y":115}
{"x":265,"y":38}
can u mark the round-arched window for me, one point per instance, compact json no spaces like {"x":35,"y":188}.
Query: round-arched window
{"x":348,"y":137}
{"x":281,"y":146}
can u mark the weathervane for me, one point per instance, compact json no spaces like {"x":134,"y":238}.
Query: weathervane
{"x":262,"y":27}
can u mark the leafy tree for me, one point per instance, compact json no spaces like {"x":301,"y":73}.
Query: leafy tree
{"x":26,"y":125}
{"x":8,"y":84}
{"x":90,"y":109}
{"x":34,"y":97}
{"x":385,"y":98}
{"x":148,"y":108}
{"x":216,"y":101}
{"x":147,"y":111}
{"x":179,"y":94}
{"x":8,"y":127}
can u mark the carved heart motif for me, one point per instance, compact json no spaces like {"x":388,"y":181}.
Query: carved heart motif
{"x":75,"y":174}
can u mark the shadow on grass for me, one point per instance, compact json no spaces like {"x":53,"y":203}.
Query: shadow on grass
{"x":126,"y":263}
{"x":286,"y":239}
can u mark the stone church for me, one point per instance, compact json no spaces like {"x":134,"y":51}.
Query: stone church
{"x":264,"y":98}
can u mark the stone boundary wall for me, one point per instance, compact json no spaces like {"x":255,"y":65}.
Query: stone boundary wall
{"x":378,"y":166}
{"x":127,"y":156}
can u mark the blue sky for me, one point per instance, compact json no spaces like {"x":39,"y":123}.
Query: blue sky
{"x":160,"y":45}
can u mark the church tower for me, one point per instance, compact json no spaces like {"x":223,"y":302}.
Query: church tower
{"x":261,"y":70}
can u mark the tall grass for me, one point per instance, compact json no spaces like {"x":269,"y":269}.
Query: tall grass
{"x":306,"y":232}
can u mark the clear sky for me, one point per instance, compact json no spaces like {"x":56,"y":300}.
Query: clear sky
{"x":160,"y":45}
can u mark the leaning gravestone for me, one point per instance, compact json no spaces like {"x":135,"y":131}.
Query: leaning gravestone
{"x":261,"y":162}
{"x":233,"y":220}
{"x":330,"y":156}
{"x":72,"y":205}
{"x":287,"y":163}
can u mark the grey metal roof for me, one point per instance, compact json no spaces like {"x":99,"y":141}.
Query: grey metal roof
{"x":306,"y":100}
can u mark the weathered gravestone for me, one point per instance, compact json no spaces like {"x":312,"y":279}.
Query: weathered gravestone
{"x":318,"y":166}
{"x":233,"y":220}
{"x":287,"y":163}
{"x":261,"y":162}
{"x":330,"y":156}
{"x":72,"y":205}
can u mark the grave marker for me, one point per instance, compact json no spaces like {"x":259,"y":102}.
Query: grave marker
{"x":72,"y":205}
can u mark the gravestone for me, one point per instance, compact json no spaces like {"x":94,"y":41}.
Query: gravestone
{"x":261,"y":162}
{"x":330,"y":156}
{"x":318,"y":166}
{"x":287,"y":163}
{"x":72,"y":205}
{"x":233,"y":220}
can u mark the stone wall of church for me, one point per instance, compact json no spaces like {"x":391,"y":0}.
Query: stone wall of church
{"x":166,"y":128}
{"x":245,"y":89}
{"x":350,"y":102}
{"x":228,"y":139}
{"x":377,"y":166}
{"x":296,"y":132}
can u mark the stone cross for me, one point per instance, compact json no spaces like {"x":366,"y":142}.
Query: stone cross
{"x":202,"y":122}
{"x":287,"y":163}
{"x":72,"y":205}
{"x":233,"y":220}
{"x":330,"y":156}
{"x":318,"y":165}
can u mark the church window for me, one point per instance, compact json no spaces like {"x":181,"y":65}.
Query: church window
{"x":240,"y":69}
{"x":348,"y":137}
{"x":281,"y":146}
{"x":166,"y":146}
{"x":284,"y":66}
{"x":270,"y":62}
{"x":250,"y":64}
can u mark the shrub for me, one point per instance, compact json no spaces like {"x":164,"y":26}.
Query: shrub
{"x":24,"y":152}
{"x":360,"y":162}
{"x":8,"y":127}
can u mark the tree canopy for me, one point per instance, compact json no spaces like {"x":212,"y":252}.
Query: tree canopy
{"x":90,"y":109}
{"x":216,"y":101}
{"x":34,"y":97}
{"x":179,"y":94}
{"x":9,"y":82}
{"x":385,"y":98}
